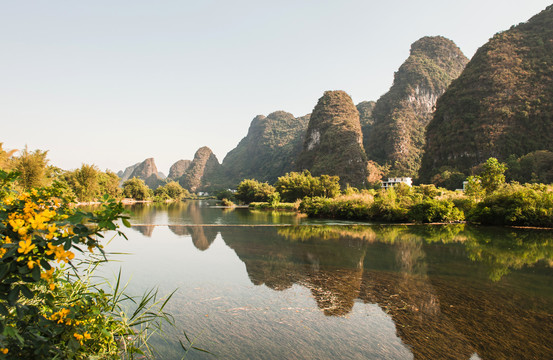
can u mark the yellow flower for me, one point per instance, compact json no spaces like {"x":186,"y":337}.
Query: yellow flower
{"x":9,"y":200}
{"x":31,"y":264}
{"x":48,"y":274}
{"x":4,"y":350}
{"x":2,"y":252}
{"x":8,"y":240}
{"x":86,"y":335}
{"x":52,"y":286}
{"x":17,"y":223}
{"x":25,"y":246}
{"x":52,"y":249}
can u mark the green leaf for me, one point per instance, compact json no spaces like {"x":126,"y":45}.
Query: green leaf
{"x":13,"y":296}
{"x":3,"y":310}
{"x":36,"y":273}
{"x":26,"y":292}
{"x":126,"y":222}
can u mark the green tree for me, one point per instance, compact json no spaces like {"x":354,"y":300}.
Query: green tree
{"x":251,"y":190}
{"x":296,"y":185}
{"x":172,"y":190}
{"x":474,"y":187}
{"x":5,"y":157}
{"x":137,"y":189}
{"x":33,"y":168}
{"x":86,"y":182}
{"x":492,"y":175}
{"x":108,"y":183}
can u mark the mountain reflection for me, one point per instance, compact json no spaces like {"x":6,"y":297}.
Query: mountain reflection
{"x":414,"y":278}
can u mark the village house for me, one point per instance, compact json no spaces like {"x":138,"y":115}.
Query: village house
{"x":396,"y":180}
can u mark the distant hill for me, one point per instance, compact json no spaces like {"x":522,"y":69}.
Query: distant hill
{"x":147,"y":171}
{"x":333,"y":142}
{"x":203,"y":173}
{"x":501,"y":105}
{"x":268,"y":151}
{"x":126,"y":174}
{"x":178,"y":169}
{"x":395,"y":134}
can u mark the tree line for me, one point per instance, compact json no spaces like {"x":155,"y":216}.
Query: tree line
{"x":85,"y":184}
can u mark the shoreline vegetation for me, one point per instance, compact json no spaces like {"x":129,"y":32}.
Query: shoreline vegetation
{"x":52,"y":304}
{"x":488,"y":199}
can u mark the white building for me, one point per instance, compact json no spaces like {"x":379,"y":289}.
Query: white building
{"x":394,"y":181}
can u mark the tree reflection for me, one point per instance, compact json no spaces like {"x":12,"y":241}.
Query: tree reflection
{"x":413,"y":276}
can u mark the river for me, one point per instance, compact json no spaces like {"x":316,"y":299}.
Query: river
{"x":271,"y":285}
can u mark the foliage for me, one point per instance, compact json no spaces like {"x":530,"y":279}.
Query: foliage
{"x":534,"y":167}
{"x":137,"y":189}
{"x":274,"y":206}
{"x":432,"y":210}
{"x":332,"y":143}
{"x":296,"y":185}
{"x":48,"y":310}
{"x":423,"y":203}
{"x":32,"y":167}
{"x":401,"y":115}
{"x":493,"y":175}
{"x":225,"y":194}
{"x":474,"y":187}
{"x":449,"y":179}
{"x":515,"y":204}
{"x":171,"y":191}
{"x":508,"y":113}
{"x":226,"y":202}
{"x":5,"y":157}
{"x":268,"y":150}
{"x":203,"y":173}
{"x":250,"y":190}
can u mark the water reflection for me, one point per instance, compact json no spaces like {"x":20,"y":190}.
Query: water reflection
{"x":453,"y":292}
{"x":439,"y":315}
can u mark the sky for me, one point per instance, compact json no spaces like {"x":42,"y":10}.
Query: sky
{"x":112,"y":83}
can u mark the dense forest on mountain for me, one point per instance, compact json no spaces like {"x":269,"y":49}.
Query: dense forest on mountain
{"x":268,"y":151}
{"x":501,"y":105}
{"x":333,"y":142}
{"x":400,"y":117}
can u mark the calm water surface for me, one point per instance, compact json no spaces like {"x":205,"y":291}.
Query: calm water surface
{"x":287,"y":287}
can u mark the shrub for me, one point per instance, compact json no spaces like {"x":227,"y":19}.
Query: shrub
{"x":250,"y":190}
{"x":431,"y":210}
{"x":49,"y":309}
{"x":295,"y":185}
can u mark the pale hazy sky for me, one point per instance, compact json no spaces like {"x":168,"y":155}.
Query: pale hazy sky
{"x":114,"y":82}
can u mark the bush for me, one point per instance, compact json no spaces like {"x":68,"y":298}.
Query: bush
{"x":171,"y":191}
{"x":250,"y":190}
{"x":137,"y":189}
{"x":514,"y":204}
{"x":295,"y":185}
{"x":50,"y":310}
{"x":432,"y":210}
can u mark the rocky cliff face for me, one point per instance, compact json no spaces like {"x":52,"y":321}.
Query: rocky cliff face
{"x":147,"y":171}
{"x":400,"y":116}
{"x":203,"y":172}
{"x":269,"y":150}
{"x":178,"y":169}
{"x":333,"y":141}
{"x":366,"y":119}
{"x":501,"y":105}
{"x":126,"y":174}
